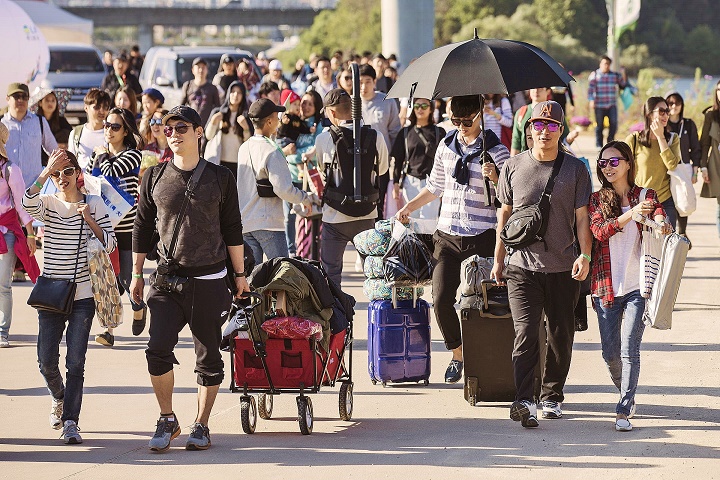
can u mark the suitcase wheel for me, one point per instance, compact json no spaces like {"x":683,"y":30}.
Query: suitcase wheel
{"x":374,"y":382}
{"x":346,"y":401}
{"x":248,"y":413}
{"x":305,"y":415}
{"x":426,"y":382}
{"x":472,"y":400}
{"x":265,"y":405}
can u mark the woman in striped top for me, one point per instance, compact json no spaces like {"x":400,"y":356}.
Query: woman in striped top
{"x":69,"y":218}
{"x":122,"y":163}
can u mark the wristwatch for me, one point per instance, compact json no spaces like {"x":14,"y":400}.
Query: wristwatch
{"x":239,"y":274}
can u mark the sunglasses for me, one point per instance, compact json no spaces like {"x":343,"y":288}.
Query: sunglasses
{"x":115,"y":127}
{"x":68,"y":172}
{"x":552,"y":127}
{"x":180,"y":128}
{"x":613,"y":162}
{"x":464,"y":122}
{"x":100,"y":106}
{"x":672,"y":104}
{"x":20,"y":96}
{"x":346,"y":77}
{"x":155,"y":121}
{"x":662,"y":111}
{"x":425,"y":106}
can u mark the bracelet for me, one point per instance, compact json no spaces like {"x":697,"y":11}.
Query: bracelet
{"x":137,"y":275}
{"x":29,"y":236}
{"x":239,"y":274}
{"x":38,"y":184}
{"x":586,"y":257}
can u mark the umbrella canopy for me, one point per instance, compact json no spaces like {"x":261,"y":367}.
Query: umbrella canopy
{"x":477,"y":67}
{"x":63,"y":97}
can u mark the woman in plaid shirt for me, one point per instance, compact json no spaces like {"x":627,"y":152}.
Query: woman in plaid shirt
{"x":615,"y":284}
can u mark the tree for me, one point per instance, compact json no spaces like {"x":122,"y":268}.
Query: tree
{"x":701,"y":48}
{"x":452,"y":15}
{"x":576,"y":18}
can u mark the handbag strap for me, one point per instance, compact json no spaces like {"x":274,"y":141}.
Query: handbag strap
{"x":192,"y":183}
{"x":82,"y":227}
{"x":544,"y":204}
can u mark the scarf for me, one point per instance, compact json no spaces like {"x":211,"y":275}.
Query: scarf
{"x":461,"y":173}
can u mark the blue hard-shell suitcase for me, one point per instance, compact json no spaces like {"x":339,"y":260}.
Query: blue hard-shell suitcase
{"x":399,"y":341}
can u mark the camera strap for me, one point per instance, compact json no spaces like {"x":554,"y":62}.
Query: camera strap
{"x":191,"y":185}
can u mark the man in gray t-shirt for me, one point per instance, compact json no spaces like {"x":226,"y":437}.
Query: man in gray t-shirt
{"x":544,"y":276}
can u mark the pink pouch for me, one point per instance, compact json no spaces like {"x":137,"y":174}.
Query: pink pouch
{"x":292,"y":327}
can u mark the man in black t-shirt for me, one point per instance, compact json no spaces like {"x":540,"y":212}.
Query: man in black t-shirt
{"x":198,"y":93}
{"x":209,"y":230}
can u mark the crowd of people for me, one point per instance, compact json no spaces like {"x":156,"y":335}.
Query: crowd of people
{"x":230,"y":174}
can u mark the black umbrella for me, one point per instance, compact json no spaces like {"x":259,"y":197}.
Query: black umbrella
{"x":476,"y":67}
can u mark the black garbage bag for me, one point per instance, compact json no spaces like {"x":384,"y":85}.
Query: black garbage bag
{"x":408,"y":261}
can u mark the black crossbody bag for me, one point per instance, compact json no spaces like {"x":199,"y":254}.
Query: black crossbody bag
{"x":528,"y":224}
{"x":57,"y":295}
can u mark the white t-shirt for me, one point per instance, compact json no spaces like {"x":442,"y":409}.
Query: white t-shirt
{"x":625,"y":259}
{"x":89,"y":139}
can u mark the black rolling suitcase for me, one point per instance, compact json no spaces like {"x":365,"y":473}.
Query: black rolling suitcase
{"x":488,"y":336}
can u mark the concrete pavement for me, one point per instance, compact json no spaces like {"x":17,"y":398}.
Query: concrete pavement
{"x":400,"y":431}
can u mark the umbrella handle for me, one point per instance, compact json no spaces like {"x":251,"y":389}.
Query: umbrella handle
{"x":484,"y":156}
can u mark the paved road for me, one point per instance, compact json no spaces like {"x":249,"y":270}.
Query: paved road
{"x":398,"y":431}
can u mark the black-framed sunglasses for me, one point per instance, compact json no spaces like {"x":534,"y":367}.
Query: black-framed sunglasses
{"x":424,"y":106}
{"x":612,"y":161}
{"x":68,"y":172}
{"x":464,"y":121}
{"x":552,"y":127}
{"x":100,"y":106}
{"x":20,"y":96}
{"x":155,"y":121}
{"x":181,"y":128}
{"x":115,"y":127}
{"x":662,"y":111}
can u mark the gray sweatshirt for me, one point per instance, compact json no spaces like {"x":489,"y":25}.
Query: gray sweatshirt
{"x":260,"y":156}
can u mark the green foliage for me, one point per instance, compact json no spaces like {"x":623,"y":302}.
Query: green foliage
{"x":354,"y":25}
{"x":576,"y":18}
{"x":452,"y":15}
{"x":701,"y":48}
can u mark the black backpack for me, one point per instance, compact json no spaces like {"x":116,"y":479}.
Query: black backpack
{"x":340,"y":176}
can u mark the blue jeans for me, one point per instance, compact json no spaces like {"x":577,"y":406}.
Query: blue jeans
{"x":7,"y":266}
{"x":621,"y":330}
{"x":289,"y":227}
{"x":670,"y":211}
{"x":51,"y":327}
{"x":273,"y":244}
{"x":600,"y":114}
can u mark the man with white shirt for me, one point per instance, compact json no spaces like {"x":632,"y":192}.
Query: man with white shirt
{"x":84,"y":139}
{"x":29,"y":134}
{"x":343,"y":218}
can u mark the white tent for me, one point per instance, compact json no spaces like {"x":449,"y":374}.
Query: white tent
{"x":57,"y":25}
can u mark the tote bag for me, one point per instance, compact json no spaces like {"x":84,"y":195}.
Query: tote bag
{"x":681,"y":187}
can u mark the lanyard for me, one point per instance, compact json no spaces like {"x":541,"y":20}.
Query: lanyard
{"x":272,"y":143}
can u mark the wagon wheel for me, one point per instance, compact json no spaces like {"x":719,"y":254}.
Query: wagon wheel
{"x":346,"y":401}
{"x":248,"y":413}
{"x":305,"y":415}
{"x":265,"y":405}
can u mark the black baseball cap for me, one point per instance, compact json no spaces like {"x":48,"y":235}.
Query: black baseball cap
{"x":183,"y":112}
{"x":199,"y":60}
{"x":264,"y":107}
{"x":226,"y":59}
{"x":336,"y":96}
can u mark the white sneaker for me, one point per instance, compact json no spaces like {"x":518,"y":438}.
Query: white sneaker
{"x":633,"y":410}
{"x":4,"y":341}
{"x":623,"y":425}
{"x":70,"y":433}
{"x":56,"y":413}
{"x":551,"y":409}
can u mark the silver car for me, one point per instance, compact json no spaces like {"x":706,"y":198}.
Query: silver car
{"x":77,"y":68}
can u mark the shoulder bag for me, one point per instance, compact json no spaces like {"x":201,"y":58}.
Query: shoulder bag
{"x":528,"y":224}
{"x":57,"y":295}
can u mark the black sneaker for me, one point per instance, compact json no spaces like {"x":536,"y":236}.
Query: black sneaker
{"x":453,"y":374}
{"x":199,"y":437}
{"x":581,"y":324}
{"x":105,"y":338}
{"x":167,"y":429}
{"x":525,"y":412}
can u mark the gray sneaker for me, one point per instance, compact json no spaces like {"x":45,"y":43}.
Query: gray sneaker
{"x":56,"y":412}
{"x":199,"y":437}
{"x":70,"y":433}
{"x":551,"y":409}
{"x":167,"y":429}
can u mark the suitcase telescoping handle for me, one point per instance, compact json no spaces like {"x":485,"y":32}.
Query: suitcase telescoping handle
{"x":486,"y":285}
{"x":414,"y":297}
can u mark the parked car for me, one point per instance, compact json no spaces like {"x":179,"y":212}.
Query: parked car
{"x":168,"y":68}
{"x":77,"y":68}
